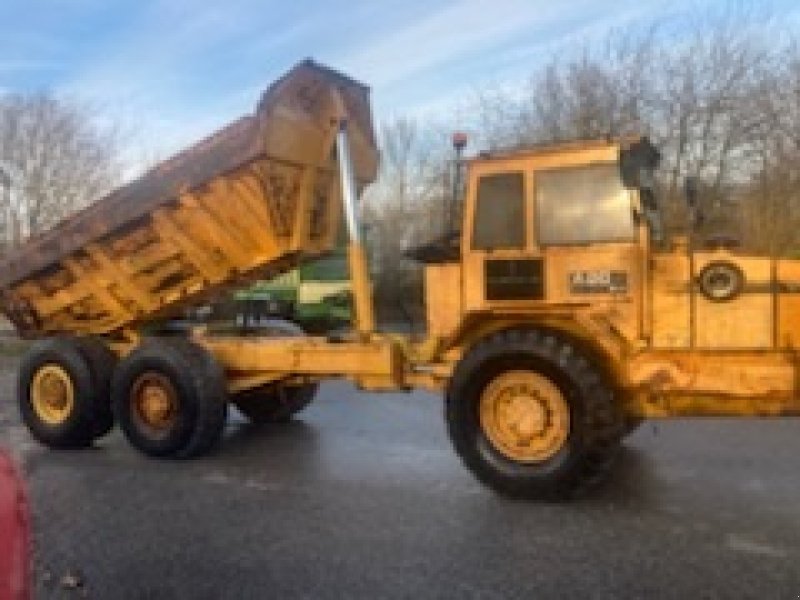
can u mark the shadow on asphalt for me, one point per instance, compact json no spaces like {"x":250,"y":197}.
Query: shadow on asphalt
{"x":243,"y":437}
{"x":632,"y":483}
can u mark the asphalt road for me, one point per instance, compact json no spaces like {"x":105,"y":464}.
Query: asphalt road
{"x":363,"y":498}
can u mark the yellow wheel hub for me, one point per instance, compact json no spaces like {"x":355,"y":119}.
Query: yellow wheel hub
{"x":524,"y":416}
{"x":154,"y":402}
{"x":52,"y":394}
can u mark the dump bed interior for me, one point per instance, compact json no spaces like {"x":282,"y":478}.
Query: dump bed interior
{"x":258,"y":197}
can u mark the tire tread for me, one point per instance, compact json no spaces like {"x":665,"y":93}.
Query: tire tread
{"x":601,"y":420}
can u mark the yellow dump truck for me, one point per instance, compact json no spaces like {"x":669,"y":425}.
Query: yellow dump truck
{"x":554,"y":324}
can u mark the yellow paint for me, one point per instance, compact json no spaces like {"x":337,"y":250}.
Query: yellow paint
{"x":362,"y":289}
{"x":52,"y":394}
{"x":249,"y":361}
{"x":524,"y":416}
{"x":443,"y":299}
{"x":667,"y":349}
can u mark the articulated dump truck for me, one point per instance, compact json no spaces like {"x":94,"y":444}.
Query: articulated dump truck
{"x":556,"y":323}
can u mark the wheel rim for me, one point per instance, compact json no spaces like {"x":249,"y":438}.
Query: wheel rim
{"x":154,"y":404}
{"x":52,"y":394}
{"x":524,"y":416}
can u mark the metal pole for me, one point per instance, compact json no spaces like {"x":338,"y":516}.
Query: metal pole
{"x":349,"y":192}
{"x":459,"y":143}
{"x":356,"y":257}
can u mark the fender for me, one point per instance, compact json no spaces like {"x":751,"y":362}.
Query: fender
{"x":582,"y":328}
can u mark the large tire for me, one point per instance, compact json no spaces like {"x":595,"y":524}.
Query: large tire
{"x":57,"y":395}
{"x":275,"y":403}
{"x":631,"y":425}
{"x":588,"y":442}
{"x":170,"y":399}
{"x":102,"y":362}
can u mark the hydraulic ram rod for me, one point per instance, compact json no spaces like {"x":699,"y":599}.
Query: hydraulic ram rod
{"x":359,"y":273}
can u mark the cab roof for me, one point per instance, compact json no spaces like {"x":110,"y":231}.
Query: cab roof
{"x":563,"y":146}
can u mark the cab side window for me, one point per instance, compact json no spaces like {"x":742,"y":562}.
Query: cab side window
{"x":500,"y":212}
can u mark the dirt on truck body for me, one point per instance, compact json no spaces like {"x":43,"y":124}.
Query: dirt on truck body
{"x":558,"y":319}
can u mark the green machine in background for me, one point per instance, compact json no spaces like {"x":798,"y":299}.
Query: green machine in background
{"x":316,"y":296}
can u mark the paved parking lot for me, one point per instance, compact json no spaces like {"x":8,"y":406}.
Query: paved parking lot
{"x":363,"y":497}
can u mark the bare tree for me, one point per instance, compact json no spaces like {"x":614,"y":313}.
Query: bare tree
{"x":718,"y":93}
{"x":594,"y":92}
{"x":720,"y":103}
{"x":405,"y":207}
{"x":62,"y":158}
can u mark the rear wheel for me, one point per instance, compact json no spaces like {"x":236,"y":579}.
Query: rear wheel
{"x":274,"y":404}
{"x":169,"y":397}
{"x":531,"y":415}
{"x":102,"y":362}
{"x":631,"y":424}
{"x":56,"y":394}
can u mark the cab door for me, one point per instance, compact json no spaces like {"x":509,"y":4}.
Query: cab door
{"x":501,"y":266}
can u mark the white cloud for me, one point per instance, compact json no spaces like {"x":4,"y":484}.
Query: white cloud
{"x":460,"y":29}
{"x":140,"y":77}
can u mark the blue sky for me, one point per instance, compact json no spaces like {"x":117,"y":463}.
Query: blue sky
{"x":173,"y":70}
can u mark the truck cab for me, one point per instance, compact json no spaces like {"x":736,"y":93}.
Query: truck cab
{"x":553,"y":227}
{"x":570,"y":237}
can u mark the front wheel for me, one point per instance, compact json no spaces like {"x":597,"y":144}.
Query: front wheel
{"x":532,"y":416}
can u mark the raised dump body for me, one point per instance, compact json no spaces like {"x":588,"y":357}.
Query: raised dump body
{"x":258,"y":197}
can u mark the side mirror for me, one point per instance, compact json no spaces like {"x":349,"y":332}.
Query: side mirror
{"x":640,"y":157}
